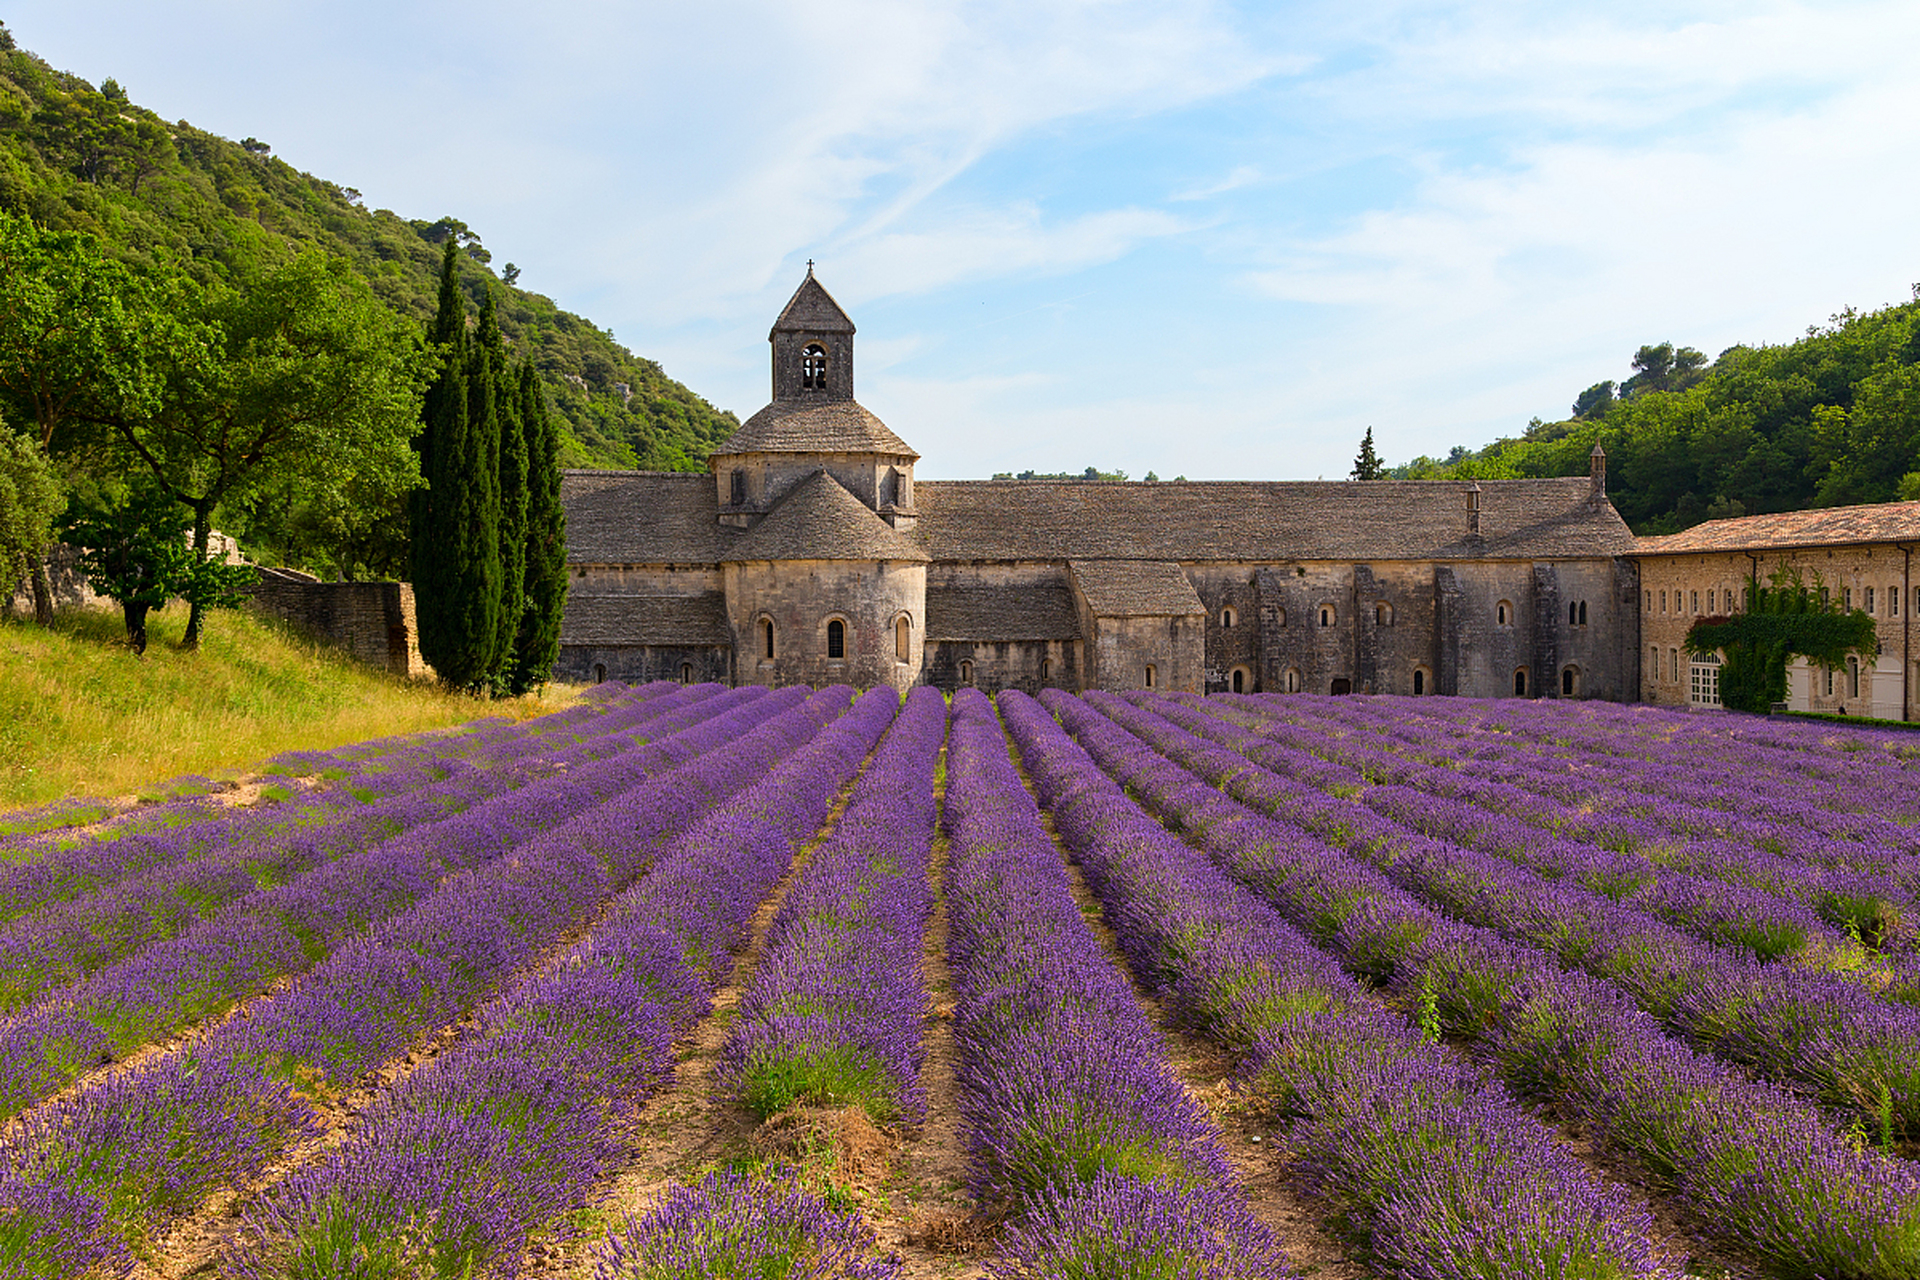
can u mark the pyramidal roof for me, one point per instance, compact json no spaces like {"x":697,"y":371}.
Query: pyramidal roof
{"x":812,"y":310}
{"x":820,"y":520}
{"x":829,"y":426}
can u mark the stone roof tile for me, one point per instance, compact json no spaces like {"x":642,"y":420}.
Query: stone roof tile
{"x":803,"y":425}
{"x":819,"y":520}
{"x":1001,"y":613}
{"x":612,"y":620}
{"x":1823,"y":527}
{"x":1135,"y":589}
{"x":1256,"y":520}
{"x":643,"y":517}
{"x":812,"y":309}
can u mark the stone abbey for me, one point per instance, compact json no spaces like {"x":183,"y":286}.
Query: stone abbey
{"x":809,"y":554}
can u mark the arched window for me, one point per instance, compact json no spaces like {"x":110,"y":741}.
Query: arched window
{"x":1853,"y":677}
{"x":836,"y":639}
{"x":1239,"y":680}
{"x":1573,"y":614}
{"x":1583,"y":613}
{"x":1293,"y":679}
{"x":1280,"y":615}
{"x":686,"y":673}
{"x":1503,"y":614}
{"x":1326,"y":615}
{"x":1656,"y":661}
{"x":1046,"y":670}
{"x":766,"y":637}
{"x":738,"y":496}
{"x":1150,"y":675}
{"x":966,"y":674}
{"x":1568,"y":681}
{"x":599,"y":673}
{"x":1342,"y":686}
{"x":1226,"y":617}
{"x":1419,"y":681}
{"x":813,"y":367}
{"x":903,"y":639}
{"x":1520,"y":683}
{"x":1383,"y":614}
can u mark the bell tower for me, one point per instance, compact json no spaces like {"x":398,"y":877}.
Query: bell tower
{"x":812,"y":347}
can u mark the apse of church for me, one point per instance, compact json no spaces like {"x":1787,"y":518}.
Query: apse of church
{"x":809,"y":554}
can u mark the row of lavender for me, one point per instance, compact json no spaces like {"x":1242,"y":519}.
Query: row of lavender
{"x":167,"y":986}
{"x":1824,"y":1033}
{"x":133,"y":1151}
{"x":1074,"y":1120}
{"x":450,"y":1171}
{"x":1749,"y":1164}
{"x":69,"y":870}
{"x":1442,"y":1171}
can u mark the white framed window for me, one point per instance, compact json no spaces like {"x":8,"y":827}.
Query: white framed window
{"x":1703,"y":681}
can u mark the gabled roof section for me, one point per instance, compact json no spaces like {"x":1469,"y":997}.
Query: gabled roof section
{"x":806,"y":426}
{"x":1002,"y":613}
{"x":609,"y":621}
{"x":1262,"y":521}
{"x":812,"y":309}
{"x":1135,"y":589}
{"x":643,"y":517}
{"x":820,"y":520}
{"x":1823,"y":527}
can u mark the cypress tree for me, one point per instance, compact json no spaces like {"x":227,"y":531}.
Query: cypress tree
{"x":538,"y":641}
{"x":455,"y":549}
{"x":504,"y":393}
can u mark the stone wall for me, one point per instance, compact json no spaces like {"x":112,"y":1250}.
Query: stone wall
{"x":993,"y":665}
{"x":372,"y":621}
{"x":639,"y":664}
{"x":1675,"y":590}
{"x":802,"y":598}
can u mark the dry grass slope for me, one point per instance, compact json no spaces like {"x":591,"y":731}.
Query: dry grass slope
{"x":81,"y":716}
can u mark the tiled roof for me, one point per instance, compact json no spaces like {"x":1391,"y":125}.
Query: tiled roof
{"x":1135,"y":588}
{"x":812,"y":309}
{"x":1823,"y":527}
{"x":643,"y":517}
{"x":820,"y":520}
{"x":1001,"y":613}
{"x":802,"y":425}
{"x":627,"y":620}
{"x":1253,"y":520}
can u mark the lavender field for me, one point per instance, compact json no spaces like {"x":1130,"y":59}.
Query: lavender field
{"x":687,"y":981}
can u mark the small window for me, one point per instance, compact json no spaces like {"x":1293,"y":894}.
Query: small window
{"x":1869,"y":605}
{"x":1046,"y":670}
{"x":1567,"y":682}
{"x":1503,"y":614}
{"x":1280,"y":615}
{"x":1649,"y":602}
{"x":1853,"y":677}
{"x":813,"y":367}
{"x":1150,"y":674}
{"x":1695,"y":608}
{"x":1829,"y":671}
{"x":686,"y":673}
{"x":1846,"y":597}
{"x":1520,"y":683}
{"x":1573,"y":615}
{"x":1342,"y":686}
{"x":902,"y":638}
{"x":1419,"y":682}
{"x":1893,"y":602}
{"x":1583,"y":613}
{"x":1239,"y":680}
{"x":966,"y":674}
{"x":1383,"y":615}
{"x":1663,"y":602}
{"x":599,"y":673}
{"x":766,"y":637}
{"x":1293,"y":679}
{"x":739,"y":489}
{"x":1326,"y":615}
{"x":1703,"y":683}
{"x":1226,"y":617}
{"x":836,"y":639}
{"x":1673,"y":663}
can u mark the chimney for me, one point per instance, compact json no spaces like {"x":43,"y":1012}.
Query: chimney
{"x":1473,"y":510}
{"x":1597,"y":475}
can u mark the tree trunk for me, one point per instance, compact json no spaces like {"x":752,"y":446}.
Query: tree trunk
{"x":202,"y":527}
{"x":42,"y":592}
{"x":136,"y":616}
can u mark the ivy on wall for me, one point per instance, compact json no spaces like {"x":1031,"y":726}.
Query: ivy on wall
{"x":1785,"y":618}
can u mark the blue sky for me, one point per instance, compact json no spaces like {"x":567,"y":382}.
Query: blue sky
{"x":1205,"y":239}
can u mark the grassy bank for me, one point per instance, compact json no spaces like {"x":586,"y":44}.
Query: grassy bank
{"x":81,"y":716}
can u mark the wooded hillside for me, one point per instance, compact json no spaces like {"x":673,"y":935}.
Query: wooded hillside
{"x":83,"y":158}
{"x":1829,"y":420}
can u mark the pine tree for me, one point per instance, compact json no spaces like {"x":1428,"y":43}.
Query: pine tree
{"x":1368,"y":465}
{"x":538,"y":642}
{"x":503,"y":393}
{"x":455,"y":523}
